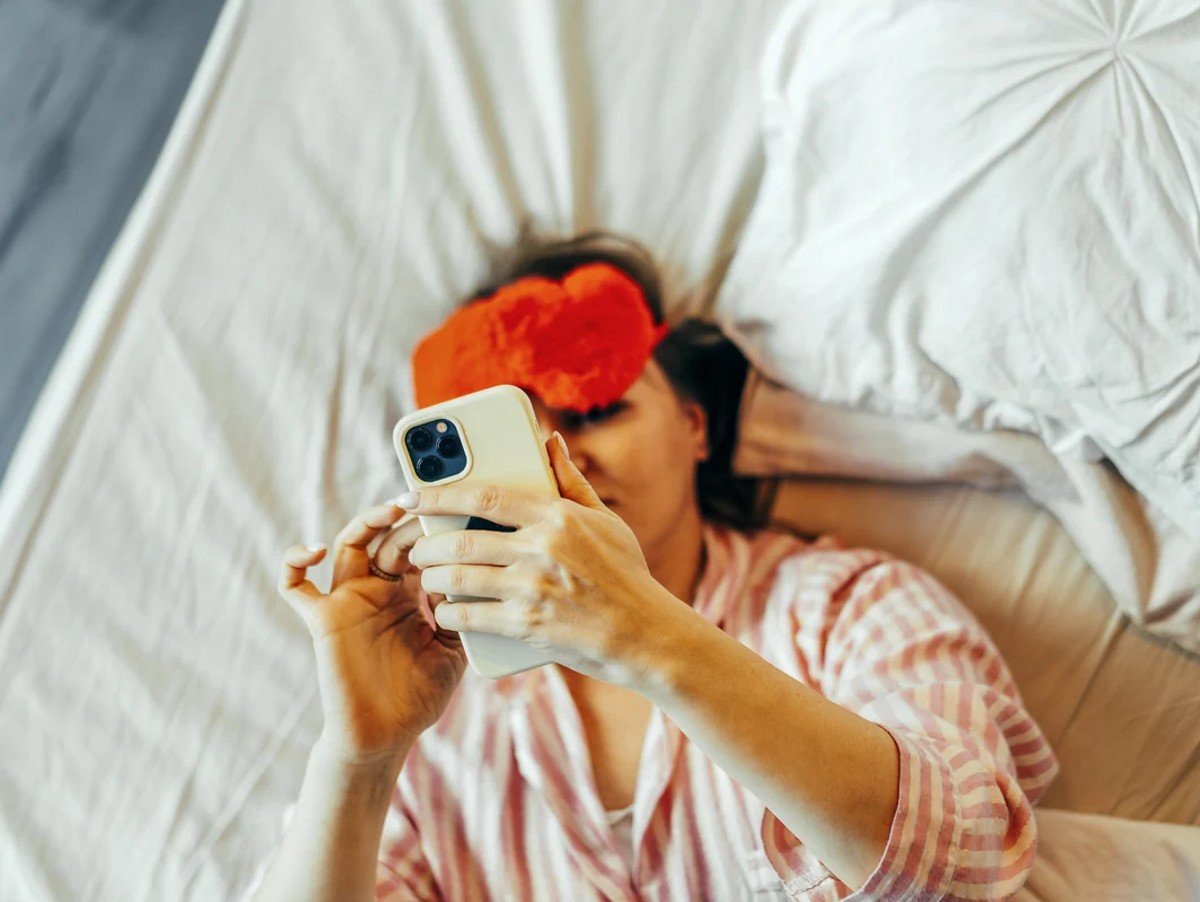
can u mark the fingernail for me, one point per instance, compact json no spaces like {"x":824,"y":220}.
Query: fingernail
{"x":562,"y":443}
{"x":315,"y":548}
{"x":408,"y":500}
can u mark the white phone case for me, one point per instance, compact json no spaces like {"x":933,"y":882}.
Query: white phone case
{"x":504,"y":447}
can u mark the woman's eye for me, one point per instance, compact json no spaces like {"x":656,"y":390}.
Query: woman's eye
{"x":595,"y":415}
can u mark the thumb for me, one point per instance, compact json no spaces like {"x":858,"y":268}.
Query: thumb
{"x":571,"y":484}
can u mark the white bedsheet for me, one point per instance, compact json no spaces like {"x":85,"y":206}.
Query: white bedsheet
{"x":233,"y":379}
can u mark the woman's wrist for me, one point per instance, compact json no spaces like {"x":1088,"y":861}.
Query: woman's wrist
{"x":332,"y":841}
{"x":666,"y":646}
{"x":353,"y":771}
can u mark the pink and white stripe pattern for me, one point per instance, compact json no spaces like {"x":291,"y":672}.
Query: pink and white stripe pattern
{"x":497,"y":801}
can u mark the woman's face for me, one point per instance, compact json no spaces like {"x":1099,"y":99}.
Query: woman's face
{"x":639,"y":454}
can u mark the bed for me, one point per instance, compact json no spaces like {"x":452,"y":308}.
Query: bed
{"x":335,"y":177}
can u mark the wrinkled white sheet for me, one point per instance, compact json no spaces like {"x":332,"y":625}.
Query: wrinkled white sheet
{"x":232,"y":383}
{"x":990,"y":219}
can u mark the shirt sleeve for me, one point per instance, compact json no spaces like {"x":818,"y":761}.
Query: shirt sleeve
{"x":898,"y":649}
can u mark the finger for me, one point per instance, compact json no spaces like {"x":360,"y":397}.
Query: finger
{"x":392,"y":553}
{"x":571,"y":483}
{"x":350,"y":547}
{"x":478,"y":617}
{"x":469,"y":580}
{"x":506,"y":506}
{"x":429,"y":602}
{"x":429,"y":607}
{"x":293,"y":585}
{"x":467,"y":546}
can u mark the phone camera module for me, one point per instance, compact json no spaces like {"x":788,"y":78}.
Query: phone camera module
{"x":429,"y":468}
{"x":419,"y":439}
{"x":436,"y":450}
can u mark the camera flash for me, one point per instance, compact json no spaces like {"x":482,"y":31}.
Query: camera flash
{"x":441,"y":427}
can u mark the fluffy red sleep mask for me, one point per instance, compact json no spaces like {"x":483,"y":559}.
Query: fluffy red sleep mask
{"x":575,"y":345}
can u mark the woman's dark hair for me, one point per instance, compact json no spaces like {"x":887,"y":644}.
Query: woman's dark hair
{"x":701,"y":364}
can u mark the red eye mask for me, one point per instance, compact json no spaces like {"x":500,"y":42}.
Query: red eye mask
{"x":575,"y":345}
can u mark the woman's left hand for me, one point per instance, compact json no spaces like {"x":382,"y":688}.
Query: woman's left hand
{"x":571,"y":579}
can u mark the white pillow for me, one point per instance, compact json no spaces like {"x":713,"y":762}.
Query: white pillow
{"x":987,"y":215}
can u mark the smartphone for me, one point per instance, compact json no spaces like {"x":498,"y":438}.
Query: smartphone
{"x":490,"y":437}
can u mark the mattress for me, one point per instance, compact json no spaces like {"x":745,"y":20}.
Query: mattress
{"x":335,"y":178}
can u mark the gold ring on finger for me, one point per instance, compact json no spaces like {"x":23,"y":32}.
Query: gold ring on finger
{"x":383,"y":574}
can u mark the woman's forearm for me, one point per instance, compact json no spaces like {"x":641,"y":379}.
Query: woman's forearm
{"x":829,"y":775}
{"x":331,"y":846}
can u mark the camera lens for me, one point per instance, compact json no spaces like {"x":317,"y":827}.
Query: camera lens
{"x":449,"y":446}
{"x":419,"y":439}
{"x":429,"y":468}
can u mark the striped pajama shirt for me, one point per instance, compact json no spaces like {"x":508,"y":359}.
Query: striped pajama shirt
{"x":498,"y":801}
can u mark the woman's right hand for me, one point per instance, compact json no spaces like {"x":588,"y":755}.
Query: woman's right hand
{"x":386,"y":670}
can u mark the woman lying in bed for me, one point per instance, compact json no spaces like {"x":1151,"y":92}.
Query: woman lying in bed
{"x":734,"y":710}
